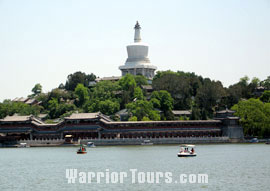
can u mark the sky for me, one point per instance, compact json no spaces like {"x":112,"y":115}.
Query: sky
{"x":43,"y":41}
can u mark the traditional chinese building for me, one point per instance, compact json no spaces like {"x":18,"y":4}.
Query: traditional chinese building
{"x":99,"y":126}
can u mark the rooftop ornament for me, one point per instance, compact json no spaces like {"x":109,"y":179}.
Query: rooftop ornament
{"x":137,"y":26}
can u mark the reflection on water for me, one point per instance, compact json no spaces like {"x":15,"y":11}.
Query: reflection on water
{"x":229,"y":167}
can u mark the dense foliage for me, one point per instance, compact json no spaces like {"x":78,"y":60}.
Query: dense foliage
{"x":10,"y":108}
{"x":76,"y":78}
{"x":254,"y":117}
{"x":171,"y":91}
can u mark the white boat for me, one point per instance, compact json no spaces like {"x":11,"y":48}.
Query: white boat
{"x":23,"y":145}
{"x":254,"y":140}
{"x":147,"y":142}
{"x":187,"y":151}
{"x":91,"y":144}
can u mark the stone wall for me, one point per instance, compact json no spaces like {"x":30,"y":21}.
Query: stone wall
{"x":182,"y":140}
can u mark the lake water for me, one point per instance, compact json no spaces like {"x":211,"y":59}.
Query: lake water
{"x":228,"y":166}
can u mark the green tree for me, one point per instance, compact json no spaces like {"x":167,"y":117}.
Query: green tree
{"x":145,"y":119}
{"x":91,"y":105}
{"x":234,"y":94}
{"x":105,"y":90}
{"x":65,"y":109}
{"x":154,"y":115}
{"x":53,"y":108}
{"x":255,"y":81}
{"x":108,"y":107}
{"x":128,"y":84}
{"x":104,"y":98}
{"x":82,"y":94}
{"x":142,"y":108}
{"x":37,"y":89}
{"x":208,"y":96}
{"x":265,"y":96}
{"x":244,"y":80}
{"x":165,"y":100}
{"x":57,"y":109}
{"x":133,"y":118}
{"x":160,"y":74}
{"x":266,"y":83}
{"x":78,"y":78}
{"x":138,"y":94}
{"x":60,"y":94}
{"x":241,"y":90}
{"x":9,"y":107}
{"x":195,"y":114}
{"x":179,"y":85}
{"x":254,"y":116}
{"x":140,"y":80}
{"x":155,"y":102}
{"x":246,"y":87}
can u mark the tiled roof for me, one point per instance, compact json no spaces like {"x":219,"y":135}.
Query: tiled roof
{"x":109,"y":78}
{"x":147,"y":87}
{"x":122,"y":112}
{"x":42,"y":115}
{"x":17,"y":118}
{"x":181,"y":112}
{"x":30,"y":101}
{"x":226,"y":111}
{"x":22,"y":99}
{"x":16,"y":99}
{"x":83,"y":116}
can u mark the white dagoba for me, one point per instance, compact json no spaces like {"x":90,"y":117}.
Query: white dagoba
{"x":138,"y":62}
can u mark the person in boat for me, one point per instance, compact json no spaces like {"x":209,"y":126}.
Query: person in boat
{"x":182,"y":150}
{"x":192,"y":151}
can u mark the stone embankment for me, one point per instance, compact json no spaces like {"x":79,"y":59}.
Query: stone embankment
{"x":129,"y":141}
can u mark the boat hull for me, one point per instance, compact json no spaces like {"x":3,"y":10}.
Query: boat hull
{"x":146,"y":143}
{"x":186,"y":155}
{"x":81,"y":152}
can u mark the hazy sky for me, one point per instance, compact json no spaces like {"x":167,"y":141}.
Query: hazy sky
{"x":44,"y":41}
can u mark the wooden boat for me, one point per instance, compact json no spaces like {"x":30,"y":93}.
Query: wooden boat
{"x":185,"y":152}
{"x":81,"y":150}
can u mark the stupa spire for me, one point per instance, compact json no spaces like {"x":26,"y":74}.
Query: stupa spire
{"x":137,"y":36}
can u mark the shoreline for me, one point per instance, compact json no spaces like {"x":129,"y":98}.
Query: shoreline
{"x":75,"y":146}
{"x":130,"y":142}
